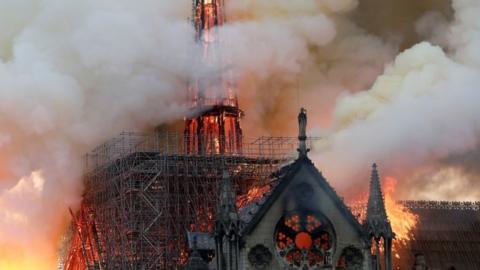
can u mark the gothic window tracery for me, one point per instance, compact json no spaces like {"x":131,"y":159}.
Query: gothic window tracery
{"x":304,"y":240}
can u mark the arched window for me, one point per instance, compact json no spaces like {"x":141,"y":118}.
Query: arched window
{"x":304,"y":240}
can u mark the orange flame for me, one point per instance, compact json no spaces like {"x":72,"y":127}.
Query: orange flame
{"x":403,"y":221}
{"x":254,"y":194}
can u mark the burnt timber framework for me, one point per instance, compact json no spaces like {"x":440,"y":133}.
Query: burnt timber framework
{"x":144,"y":192}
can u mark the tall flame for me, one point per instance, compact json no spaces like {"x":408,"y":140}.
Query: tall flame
{"x":402,"y":219}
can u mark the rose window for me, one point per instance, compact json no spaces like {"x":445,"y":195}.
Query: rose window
{"x":303,"y":241}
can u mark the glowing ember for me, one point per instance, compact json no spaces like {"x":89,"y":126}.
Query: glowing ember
{"x":253,"y":195}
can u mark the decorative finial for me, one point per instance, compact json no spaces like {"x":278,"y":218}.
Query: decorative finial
{"x":302,"y":133}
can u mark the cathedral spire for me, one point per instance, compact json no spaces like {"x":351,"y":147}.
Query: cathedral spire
{"x":377,"y":221}
{"x":302,"y":134}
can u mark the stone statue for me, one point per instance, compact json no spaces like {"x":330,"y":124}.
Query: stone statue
{"x":302,"y":133}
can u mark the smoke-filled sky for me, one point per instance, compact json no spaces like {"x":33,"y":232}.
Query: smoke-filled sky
{"x":394,"y":82}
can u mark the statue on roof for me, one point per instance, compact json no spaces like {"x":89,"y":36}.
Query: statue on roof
{"x":302,"y":133}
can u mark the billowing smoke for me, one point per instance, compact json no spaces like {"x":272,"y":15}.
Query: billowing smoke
{"x":325,"y":55}
{"x":294,"y":53}
{"x":75,"y":73}
{"x":420,"y":118}
{"x":72,"y":74}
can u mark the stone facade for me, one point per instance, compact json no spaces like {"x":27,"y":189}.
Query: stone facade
{"x":300,"y":224}
{"x":305,"y":195}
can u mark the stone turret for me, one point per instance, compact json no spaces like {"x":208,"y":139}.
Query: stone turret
{"x":227,"y":210}
{"x":377,"y":225}
{"x":377,"y":222}
{"x":227,"y":228}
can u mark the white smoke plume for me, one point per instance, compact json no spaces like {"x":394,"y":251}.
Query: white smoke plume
{"x":72,"y":74}
{"x":421,"y":111}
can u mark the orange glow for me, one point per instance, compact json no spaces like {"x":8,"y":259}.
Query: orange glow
{"x":403,"y":221}
{"x":17,"y":258}
{"x":26,"y":242}
{"x":254,"y":194}
{"x":25,"y":264}
{"x":303,"y":240}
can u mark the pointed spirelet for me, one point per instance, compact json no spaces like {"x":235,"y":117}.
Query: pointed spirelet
{"x":377,"y":223}
{"x":302,"y":134}
{"x":227,"y":208}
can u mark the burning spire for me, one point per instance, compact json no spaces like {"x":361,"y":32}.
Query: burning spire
{"x":377,"y":223}
{"x":217,"y":129}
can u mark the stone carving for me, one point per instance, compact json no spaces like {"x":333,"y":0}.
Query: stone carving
{"x":259,"y":256}
{"x":351,"y":259}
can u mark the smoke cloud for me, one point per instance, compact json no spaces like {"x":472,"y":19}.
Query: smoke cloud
{"x":325,"y":55}
{"x":289,"y":54}
{"x":420,"y":117}
{"x":75,"y":73}
{"x":72,"y":74}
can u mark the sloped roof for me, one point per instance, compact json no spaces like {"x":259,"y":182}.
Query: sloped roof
{"x":448,"y":234}
{"x":253,"y":213}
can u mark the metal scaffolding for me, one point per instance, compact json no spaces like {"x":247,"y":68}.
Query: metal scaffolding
{"x":143,"y":192}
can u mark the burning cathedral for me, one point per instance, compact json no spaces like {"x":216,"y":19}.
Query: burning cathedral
{"x":301,"y":223}
{"x":210,"y":198}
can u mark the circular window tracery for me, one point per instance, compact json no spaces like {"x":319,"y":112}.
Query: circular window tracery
{"x":304,"y":240}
